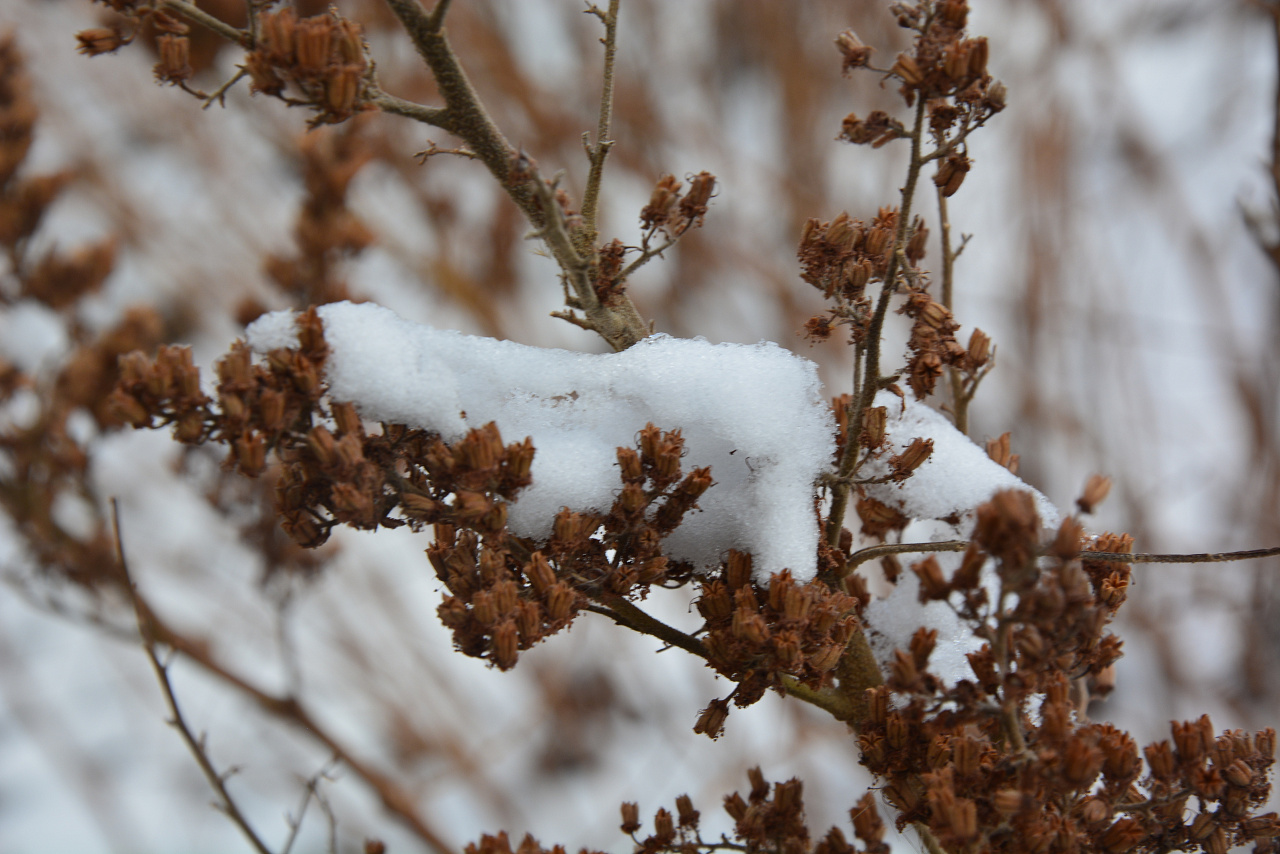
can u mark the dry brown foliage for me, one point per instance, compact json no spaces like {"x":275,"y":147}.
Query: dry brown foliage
{"x":1003,"y":760}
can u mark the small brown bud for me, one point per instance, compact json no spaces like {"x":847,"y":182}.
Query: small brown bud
{"x":711,"y":723}
{"x":175,"y":55}
{"x":321,"y":443}
{"x":840,"y":234}
{"x":915,"y":455}
{"x":560,"y":601}
{"x":874,"y":420}
{"x":856,"y":54}
{"x":1095,"y":492}
{"x":826,"y":658}
{"x":128,"y":409}
{"x":1160,"y":760}
{"x":540,"y":573}
{"x":1239,"y":773}
{"x":979,"y":349}
{"x":907,"y":70}
{"x":630,"y":817}
{"x":342,"y":89}
{"x":1095,"y":811}
{"x":978,"y":51}
{"x":738,"y":570}
{"x":1009,"y":801}
{"x":312,"y":38}
{"x":506,"y":643}
{"x":99,"y":40}
{"x":735,"y":806}
{"x":688,"y":815}
{"x":350,"y":42}
{"x":933,"y":586}
{"x":629,"y":462}
{"x":996,"y":95}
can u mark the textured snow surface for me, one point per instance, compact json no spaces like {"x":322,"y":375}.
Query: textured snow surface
{"x":755,"y":414}
{"x":957,"y":477}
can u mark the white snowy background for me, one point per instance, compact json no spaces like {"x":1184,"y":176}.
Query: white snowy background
{"x":1109,"y":262}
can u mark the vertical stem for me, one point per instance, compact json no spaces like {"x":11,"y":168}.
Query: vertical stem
{"x":959,"y":400}
{"x":598,"y":152}
{"x":871,"y":372}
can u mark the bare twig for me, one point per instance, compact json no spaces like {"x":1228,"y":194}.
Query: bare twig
{"x":872,"y":552}
{"x":290,"y":710}
{"x":311,"y":791}
{"x":600,"y":151}
{"x":209,"y":22}
{"x":871,"y":379}
{"x":626,"y":614}
{"x":464,"y":115}
{"x":195,"y":745}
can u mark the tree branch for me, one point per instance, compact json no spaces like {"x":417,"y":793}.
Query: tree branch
{"x":196,"y":746}
{"x":600,"y":151}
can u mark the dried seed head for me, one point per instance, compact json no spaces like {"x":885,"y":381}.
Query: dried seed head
{"x":711,"y":723}
{"x":933,"y":586}
{"x":174,"y":66}
{"x":907,"y":70}
{"x":1095,"y":492}
{"x":855,"y":53}
{"x":506,"y":641}
{"x":979,"y":350}
{"x":874,"y":420}
{"x":630,"y":817}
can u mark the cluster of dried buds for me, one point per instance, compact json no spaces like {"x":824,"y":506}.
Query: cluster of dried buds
{"x":1006,"y":761}
{"x":841,"y":257}
{"x":675,"y":211}
{"x":933,"y":345}
{"x":507,"y":593}
{"x":322,"y":57}
{"x":944,"y":69}
{"x":769,"y":819}
{"x":757,"y":636}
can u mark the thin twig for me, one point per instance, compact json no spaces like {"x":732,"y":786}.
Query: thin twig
{"x":196,"y":746}
{"x":871,"y":379}
{"x":290,"y":710}
{"x":311,"y":790}
{"x":209,"y":22}
{"x":600,"y":151}
{"x":464,"y":115}
{"x":872,"y":552}
{"x":435,"y":116}
{"x":626,"y":614}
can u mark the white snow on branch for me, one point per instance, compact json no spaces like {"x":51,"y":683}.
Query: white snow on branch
{"x":941,"y":497}
{"x":953,"y":482}
{"x":755,"y":414}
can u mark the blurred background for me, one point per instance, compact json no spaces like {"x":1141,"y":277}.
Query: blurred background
{"x":1119,"y":209}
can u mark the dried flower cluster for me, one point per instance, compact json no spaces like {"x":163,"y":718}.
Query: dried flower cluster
{"x":318,"y":62}
{"x":755,"y":637}
{"x":769,"y":819}
{"x":47,"y":462}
